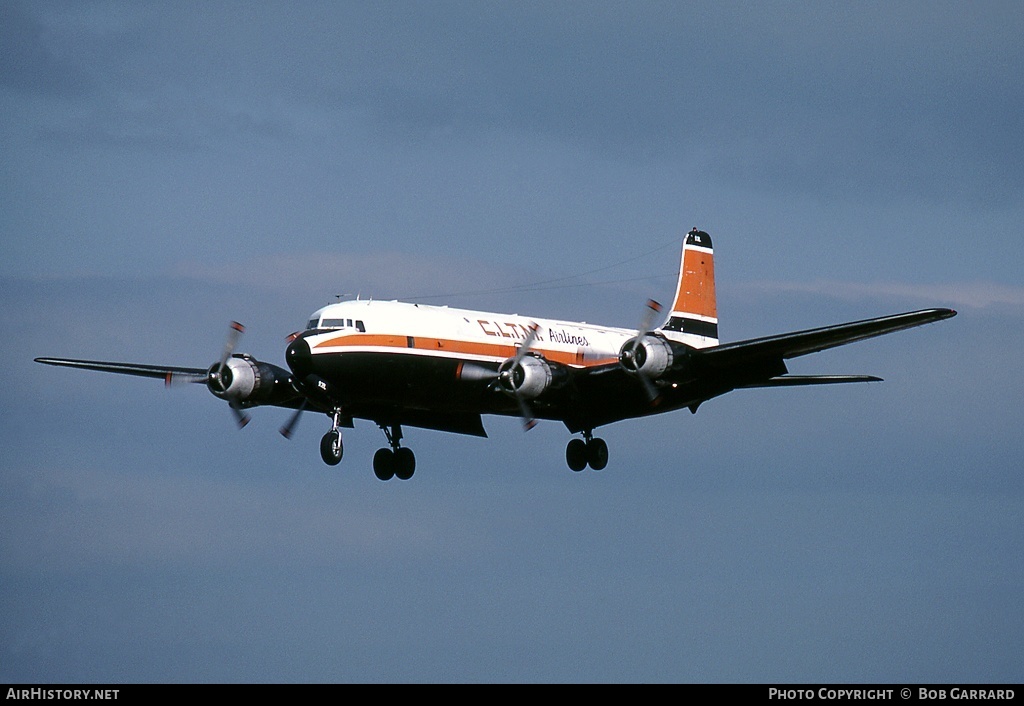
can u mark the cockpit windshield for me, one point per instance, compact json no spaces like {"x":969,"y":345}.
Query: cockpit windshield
{"x":357,"y":324}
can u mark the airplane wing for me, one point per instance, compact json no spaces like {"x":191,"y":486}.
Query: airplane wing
{"x":163,"y":372}
{"x":791,"y":345}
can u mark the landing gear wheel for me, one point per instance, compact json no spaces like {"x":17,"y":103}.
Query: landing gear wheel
{"x":404,"y":464}
{"x":597,"y":454}
{"x":576,"y":454}
{"x":384,"y":464}
{"x":331,"y":449}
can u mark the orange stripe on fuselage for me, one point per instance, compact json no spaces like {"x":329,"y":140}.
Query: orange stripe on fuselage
{"x":426,"y":344}
{"x":696,"y":294}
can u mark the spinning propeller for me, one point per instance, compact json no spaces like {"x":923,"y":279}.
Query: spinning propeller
{"x":219,"y":377}
{"x":633,"y":357}
{"x":509,"y":377}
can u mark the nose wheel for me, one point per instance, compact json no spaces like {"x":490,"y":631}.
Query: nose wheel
{"x":331,"y":448}
{"x":588,"y":451}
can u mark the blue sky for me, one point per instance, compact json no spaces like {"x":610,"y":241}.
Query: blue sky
{"x":167,"y":168}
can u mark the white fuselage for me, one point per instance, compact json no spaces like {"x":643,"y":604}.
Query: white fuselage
{"x":443,"y":332}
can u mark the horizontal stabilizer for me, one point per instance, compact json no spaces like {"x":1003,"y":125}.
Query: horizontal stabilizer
{"x":796,"y":380}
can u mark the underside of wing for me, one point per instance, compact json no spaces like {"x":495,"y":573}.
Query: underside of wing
{"x":453,"y":422}
{"x":799,"y":380}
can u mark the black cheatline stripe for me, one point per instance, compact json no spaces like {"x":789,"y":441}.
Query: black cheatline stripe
{"x":692,"y":326}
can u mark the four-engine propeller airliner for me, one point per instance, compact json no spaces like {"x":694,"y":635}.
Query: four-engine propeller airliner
{"x":400,"y":364}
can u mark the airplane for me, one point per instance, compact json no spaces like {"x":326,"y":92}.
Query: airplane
{"x":401,"y":364}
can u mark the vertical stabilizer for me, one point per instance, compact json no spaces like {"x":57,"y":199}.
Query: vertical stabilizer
{"x":694,"y":316}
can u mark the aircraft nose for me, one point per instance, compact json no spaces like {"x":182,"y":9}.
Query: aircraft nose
{"x":299,"y":358}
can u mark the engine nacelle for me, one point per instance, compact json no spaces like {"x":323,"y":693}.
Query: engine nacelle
{"x":528,"y":378}
{"x":245,"y":381}
{"x":648,"y":356}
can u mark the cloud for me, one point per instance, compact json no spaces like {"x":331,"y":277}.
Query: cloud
{"x":914,"y":100}
{"x":972,"y":295}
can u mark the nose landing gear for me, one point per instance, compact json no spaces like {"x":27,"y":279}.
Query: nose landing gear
{"x":388,"y":463}
{"x":331,"y":448}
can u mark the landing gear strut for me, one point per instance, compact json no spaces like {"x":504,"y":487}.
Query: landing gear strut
{"x":588,"y":451}
{"x":331,"y":448}
{"x":395,"y":462}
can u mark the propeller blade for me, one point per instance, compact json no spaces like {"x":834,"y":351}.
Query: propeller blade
{"x":524,"y":411}
{"x":525,"y":346}
{"x":505,"y":377}
{"x":646,"y":322}
{"x":653,"y":309}
{"x":240,"y":417}
{"x":289,"y":427}
{"x":652,"y":393}
{"x":215,"y":377}
{"x":234,"y":333}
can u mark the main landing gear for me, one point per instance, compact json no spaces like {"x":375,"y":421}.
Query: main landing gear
{"x":388,"y":463}
{"x":396,"y":462}
{"x":588,"y":451}
{"x":399,"y":462}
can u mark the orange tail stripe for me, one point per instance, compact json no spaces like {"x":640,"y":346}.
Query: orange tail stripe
{"x":697,"y":285}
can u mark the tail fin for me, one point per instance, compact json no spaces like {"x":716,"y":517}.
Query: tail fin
{"x":694,"y":316}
